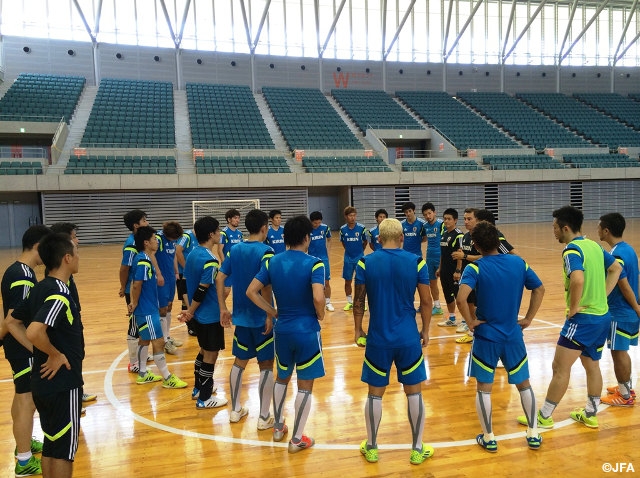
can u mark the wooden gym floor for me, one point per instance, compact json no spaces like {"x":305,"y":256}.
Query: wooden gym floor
{"x":150,"y":431}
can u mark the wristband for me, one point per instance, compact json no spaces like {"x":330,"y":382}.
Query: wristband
{"x":458,"y":271}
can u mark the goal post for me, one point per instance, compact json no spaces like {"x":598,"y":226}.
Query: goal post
{"x":218,"y":208}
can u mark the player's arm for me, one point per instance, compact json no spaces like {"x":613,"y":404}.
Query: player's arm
{"x":534,"y":304}
{"x":124,"y":276}
{"x":576,"y":287}
{"x":225,"y":315}
{"x":17,"y":329}
{"x":318,"y":299}
{"x":196,"y":300}
{"x":254,"y":295}
{"x":180,"y":255}
{"x":426,"y":305}
{"x":159,"y":277}
{"x":613,"y":275}
{"x":628,"y":294}
{"x":461,"y":301}
{"x":219,"y":252}
{"x":136,"y":290}
{"x":37,"y":335}
{"x":359,"y":298}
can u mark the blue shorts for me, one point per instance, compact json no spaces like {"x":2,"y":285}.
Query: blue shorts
{"x":60,"y":422}
{"x":432,"y":266}
{"x":167,"y":292}
{"x":622,"y":335}
{"x":249,"y":342}
{"x":484,"y":358}
{"x":327,"y":269}
{"x":149,"y":327}
{"x":409,"y":361}
{"x":302,"y":351}
{"x":588,"y":338}
{"x":485,"y":354}
{"x":349,"y":267}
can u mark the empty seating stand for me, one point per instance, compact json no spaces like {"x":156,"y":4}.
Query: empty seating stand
{"x":585,"y":121}
{"x":371,"y":108}
{"x":308,"y":121}
{"x":341,"y":164}
{"x":131,"y":114}
{"x":41,"y":98}
{"x":528,"y":126}
{"x":624,"y":110}
{"x":15,"y":168}
{"x":225,"y":117}
{"x":441,"y":165}
{"x":512,"y":161}
{"x":241,"y":165}
{"x":121,"y":164}
{"x":458,"y":124}
{"x":600,"y":161}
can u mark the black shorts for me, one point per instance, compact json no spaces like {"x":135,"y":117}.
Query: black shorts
{"x":471,"y":299}
{"x":449,"y":287}
{"x":21,"y":361}
{"x":181,"y":286}
{"x":210,"y":336}
{"x":60,"y":422}
{"x":133,"y":327}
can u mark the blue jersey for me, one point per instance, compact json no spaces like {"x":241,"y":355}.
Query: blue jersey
{"x":413,"y":234}
{"x":291,"y":275}
{"x":434,"y":234}
{"x":318,"y":244}
{"x":229,"y":238}
{"x":275,"y":238}
{"x":391,"y":277}
{"x":201,"y":268}
{"x":129,"y":253}
{"x":498,"y":281}
{"x":165,"y":256}
{"x":144,"y":271}
{"x":354,"y":240}
{"x":242,"y":264}
{"x":374,"y":236}
{"x":187,"y":241}
{"x":620,"y":309}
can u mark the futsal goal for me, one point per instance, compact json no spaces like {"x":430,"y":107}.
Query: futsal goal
{"x":218,"y":209}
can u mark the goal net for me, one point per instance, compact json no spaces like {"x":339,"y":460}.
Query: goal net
{"x":218,"y":209}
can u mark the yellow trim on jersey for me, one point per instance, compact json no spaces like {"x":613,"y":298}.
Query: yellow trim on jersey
{"x":421,"y":264}
{"x":474,"y":267}
{"x":21,"y":282}
{"x":319,"y":264}
{"x":21,"y":373}
{"x":65,"y":301}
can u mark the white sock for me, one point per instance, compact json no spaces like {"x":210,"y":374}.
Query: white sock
{"x":372,"y":417}
{"x":265,"y":391}
{"x":163,"y":324}
{"x":132,"y":346}
{"x":303,"y":407}
{"x":235,"y":383}
{"x":161,"y":363}
{"x":436,"y":304}
{"x":349,"y":299}
{"x":279,"y":394}
{"x":141,"y":353}
{"x":168,"y":331}
{"x":483,"y":408}
{"x":327,"y":300}
{"x":415,"y":407}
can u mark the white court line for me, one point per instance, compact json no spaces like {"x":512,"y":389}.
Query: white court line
{"x":126,"y":410}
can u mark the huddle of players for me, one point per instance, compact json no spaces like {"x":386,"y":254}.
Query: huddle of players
{"x":482,"y":273}
{"x":204,"y":281}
